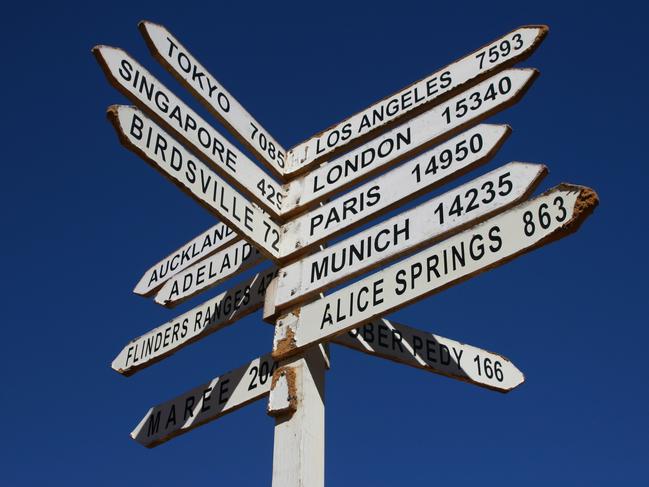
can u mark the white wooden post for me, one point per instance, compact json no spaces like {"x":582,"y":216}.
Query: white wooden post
{"x":297,"y":402}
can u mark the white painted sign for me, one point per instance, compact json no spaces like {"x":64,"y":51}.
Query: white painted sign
{"x":141,"y":87}
{"x":483,"y":100}
{"x":197,"y":323}
{"x":431,"y":221}
{"x":548,"y":217}
{"x":502,"y":52}
{"x":206,"y":402}
{"x":207,"y":243}
{"x":423,"y":350}
{"x":425,"y":172}
{"x":169,"y":51}
{"x":208,"y":273}
{"x":139,"y":134}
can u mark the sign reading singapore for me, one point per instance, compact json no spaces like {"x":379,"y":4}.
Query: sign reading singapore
{"x":403,"y":147}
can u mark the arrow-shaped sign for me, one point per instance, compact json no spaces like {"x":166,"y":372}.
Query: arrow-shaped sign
{"x":209,"y":242}
{"x":551,"y":216}
{"x":143,"y":89}
{"x":433,"y":353}
{"x":208,"y":273}
{"x":431,"y":221}
{"x":206,"y":402}
{"x":421,"y":95}
{"x":140,"y":135}
{"x":191,"y":326}
{"x":444,"y":120}
{"x":175,"y":57}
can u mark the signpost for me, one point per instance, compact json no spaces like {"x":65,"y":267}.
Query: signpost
{"x":419,"y":138}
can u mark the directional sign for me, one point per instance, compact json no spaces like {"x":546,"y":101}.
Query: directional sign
{"x":413,"y":229}
{"x":206,"y":402}
{"x":208,"y":273}
{"x":168,"y":50}
{"x":423,"y":173}
{"x":486,"y":98}
{"x":211,"y":316}
{"x":137,"y":84}
{"x":499,"y":54}
{"x":207,"y":243}
{"x":423,"y":350}
{"x":139,"y":134}
{"x":551,"y":216}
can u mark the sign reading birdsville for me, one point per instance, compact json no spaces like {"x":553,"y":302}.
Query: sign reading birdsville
{"x":401,"y":148}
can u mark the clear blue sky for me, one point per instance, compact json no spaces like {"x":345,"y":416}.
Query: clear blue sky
{"x":83,"y":218}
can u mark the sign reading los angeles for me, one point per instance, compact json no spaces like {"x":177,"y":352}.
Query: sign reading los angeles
{"x":316,"y":222}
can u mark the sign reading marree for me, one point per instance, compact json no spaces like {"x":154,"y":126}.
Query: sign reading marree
{"x":551,"y":216}
{"x":499,"y":54}
{"x":192,"y":75}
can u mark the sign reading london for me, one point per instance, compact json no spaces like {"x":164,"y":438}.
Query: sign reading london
{"x":315,"y":223}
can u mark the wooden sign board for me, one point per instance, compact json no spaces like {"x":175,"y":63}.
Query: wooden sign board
{"x":207,"y":402}
{"x":503,"y":52}
{"x":209,"y":242}
{"x":433,"y":353}
{"x":551,"y":216}
{"x":208,"y":273}
{"x":195,"y":324}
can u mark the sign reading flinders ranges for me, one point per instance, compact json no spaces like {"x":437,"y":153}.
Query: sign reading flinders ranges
{"x":281,"y":209}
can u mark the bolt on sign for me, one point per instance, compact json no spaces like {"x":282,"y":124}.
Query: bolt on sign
{"x":409,"y":144}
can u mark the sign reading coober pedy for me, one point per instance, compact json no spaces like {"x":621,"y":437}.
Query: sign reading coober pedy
{"x":398,"y":149}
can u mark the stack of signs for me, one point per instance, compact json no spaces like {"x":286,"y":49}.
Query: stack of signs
{"x":398,"y":149}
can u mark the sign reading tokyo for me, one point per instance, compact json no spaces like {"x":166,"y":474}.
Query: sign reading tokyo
{"x":551,"y":216}
{"x":398,"y":149}
{"x":176,"y":58}
{"x":499,"y":54}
